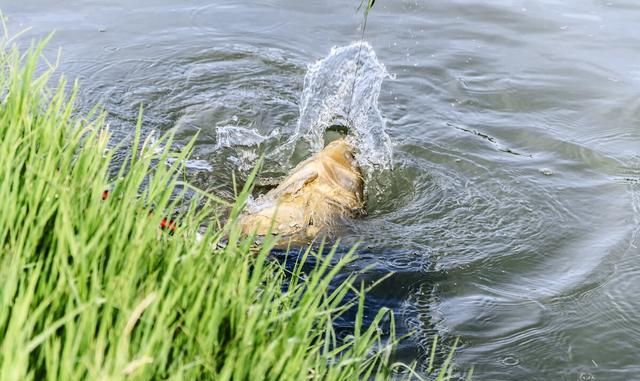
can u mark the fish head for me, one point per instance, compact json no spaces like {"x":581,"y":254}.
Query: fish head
{"x":341,"y":167}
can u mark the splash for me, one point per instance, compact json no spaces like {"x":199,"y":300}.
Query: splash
{"x":343,"y":89}
{"x":230,"y":136}
{"x":340,"y":89}
{"x":244,"y":141}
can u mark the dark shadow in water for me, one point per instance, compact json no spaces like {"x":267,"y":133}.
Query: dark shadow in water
{"x":390,"y":293}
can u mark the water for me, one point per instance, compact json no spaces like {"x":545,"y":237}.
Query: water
{"x":510,"y":208}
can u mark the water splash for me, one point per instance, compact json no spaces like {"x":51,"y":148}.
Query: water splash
{"x":244,"y":141}
{"x":340,"y":89}
{"x":343,"y":89}
{"x":230,"y":136}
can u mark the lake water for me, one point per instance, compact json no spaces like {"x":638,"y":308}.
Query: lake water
{"x":511,"y":217}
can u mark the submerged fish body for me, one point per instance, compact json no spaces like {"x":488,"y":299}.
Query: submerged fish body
{"x":319,"y":193}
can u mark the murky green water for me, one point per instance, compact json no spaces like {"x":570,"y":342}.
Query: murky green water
{"x":512,"y":215}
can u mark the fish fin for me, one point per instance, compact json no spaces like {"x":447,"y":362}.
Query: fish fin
{"x":297,"y":181}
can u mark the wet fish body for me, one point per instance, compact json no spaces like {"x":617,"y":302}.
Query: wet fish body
{"x":314,"y":200}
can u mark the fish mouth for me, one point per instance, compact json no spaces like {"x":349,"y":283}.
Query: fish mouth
{"x":339,"y":128}
{"x":335,"y":132}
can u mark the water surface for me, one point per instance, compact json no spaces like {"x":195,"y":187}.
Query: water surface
{"x":511,"y":217}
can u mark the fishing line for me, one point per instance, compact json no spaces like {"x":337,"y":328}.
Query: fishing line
{"x":355,"y":76}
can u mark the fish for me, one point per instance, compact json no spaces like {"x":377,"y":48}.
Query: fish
{"x":313,"y":201}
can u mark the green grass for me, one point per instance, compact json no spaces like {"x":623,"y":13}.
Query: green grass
{"x":93,"y":289}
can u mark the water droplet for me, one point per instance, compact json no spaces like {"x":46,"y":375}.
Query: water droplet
{"x":546,"y":171}
{"x":510,"y":361}
{"x":586,"y":377}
